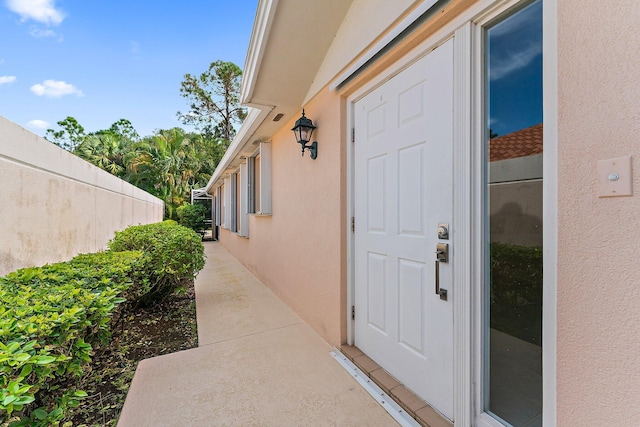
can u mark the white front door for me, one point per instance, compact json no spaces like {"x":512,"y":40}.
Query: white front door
{"x":403,"y":191}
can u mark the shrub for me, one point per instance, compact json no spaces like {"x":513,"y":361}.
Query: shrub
{"x":173,"y":254}
{"x":118,"y":267}
{"x":50,"y":319}
{"x":516,"y":275}
{"x":516,"y":291}
{"x":193,"y":217}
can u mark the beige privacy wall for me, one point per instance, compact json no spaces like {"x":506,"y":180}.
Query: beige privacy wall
{"x":54,"y":205}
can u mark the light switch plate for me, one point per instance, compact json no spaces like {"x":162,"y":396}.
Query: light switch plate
{"x":614,"y":177}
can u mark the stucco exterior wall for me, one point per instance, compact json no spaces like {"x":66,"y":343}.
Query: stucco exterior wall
{"x":54,"y":205}
{"x":298,"y":251}
{"x":598,"y":367}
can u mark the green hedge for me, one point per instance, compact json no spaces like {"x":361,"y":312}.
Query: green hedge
{"x":193,"y":217}
{"x":52,"y":317}
{"x":516,"y":291}
{"x":516,"y":274}
{"x":174,"y":254}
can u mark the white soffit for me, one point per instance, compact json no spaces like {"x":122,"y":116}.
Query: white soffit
{"x":288,"y":43}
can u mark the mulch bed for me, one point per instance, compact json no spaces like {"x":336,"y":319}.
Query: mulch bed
{"x":145,"y":332}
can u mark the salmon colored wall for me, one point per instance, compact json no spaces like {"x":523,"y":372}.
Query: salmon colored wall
{"x":598,"y":344}
{"x":298,"y":252}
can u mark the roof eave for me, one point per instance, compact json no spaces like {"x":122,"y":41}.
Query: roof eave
{"x":270,"y":85}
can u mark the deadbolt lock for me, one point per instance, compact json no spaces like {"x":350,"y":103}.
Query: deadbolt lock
{"x":443,"y":231}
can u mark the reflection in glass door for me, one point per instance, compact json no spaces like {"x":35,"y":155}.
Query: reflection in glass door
{"x":513,"y":288}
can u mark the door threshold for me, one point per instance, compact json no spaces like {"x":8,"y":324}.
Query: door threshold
{"x":399,"y":401}
{"x":400,"y":415}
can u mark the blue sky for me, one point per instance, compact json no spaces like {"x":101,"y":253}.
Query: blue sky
{"x":515,"y":71}
{"x":103,"y":60}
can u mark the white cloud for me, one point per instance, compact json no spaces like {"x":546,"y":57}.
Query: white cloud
{"x":513,"y":61}
{"x":39,"y":33}
{"x":38,"y":124}
{"x":7,"y":79}
{"x":44,"y":11}
{"x":55,"y":89}
{"x":528,"y":20}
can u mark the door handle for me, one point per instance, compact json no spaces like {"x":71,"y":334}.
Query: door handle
{"x":442,"y":255}
{"x":442,"y":252}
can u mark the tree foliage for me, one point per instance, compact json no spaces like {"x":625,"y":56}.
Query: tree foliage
{"x":124,"y":129}
{"x":171,"y":162}
{"x":107,"y":151}
{"x":214,"y":100}
{"x":69,"y":137}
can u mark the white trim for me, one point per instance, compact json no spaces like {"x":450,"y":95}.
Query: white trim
{"x":243,"y":221}
{"x":462,"y":227}
{"x":484,"y":419}
{"x":259,"y":37}
{"x":550,"y":211}
{"x":251,"y":180}
{"x":226,"y":223}
{"x":480,"y":417}
{"x":351,"y":211}
{"x":255,"y":117}
{"x":218,"y":206}
{"x":234,"y":220}
{"x":265,"y":178}
{"x":384,"y":42}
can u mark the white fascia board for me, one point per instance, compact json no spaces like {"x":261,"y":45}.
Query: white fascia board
{"x":255,"y":116}
{"x":257,"y":45}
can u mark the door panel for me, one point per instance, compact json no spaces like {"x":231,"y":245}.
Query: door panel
{"x":403,"y":190}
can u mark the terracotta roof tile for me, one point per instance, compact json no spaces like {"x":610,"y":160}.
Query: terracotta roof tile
{"x":521,"y":143}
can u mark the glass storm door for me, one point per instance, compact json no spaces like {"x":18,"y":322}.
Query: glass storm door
{"x":513,"y":217}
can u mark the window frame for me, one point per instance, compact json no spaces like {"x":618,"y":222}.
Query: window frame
{"x":259,"y":181}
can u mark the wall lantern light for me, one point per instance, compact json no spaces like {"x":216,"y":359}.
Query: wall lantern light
{"x":303,"y":130}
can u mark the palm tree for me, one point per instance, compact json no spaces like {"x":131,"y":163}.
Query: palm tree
{"x":165,"y":165}
{"x":105,"y":150}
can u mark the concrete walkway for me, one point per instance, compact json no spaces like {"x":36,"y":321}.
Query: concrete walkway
{"x":257,"y":364}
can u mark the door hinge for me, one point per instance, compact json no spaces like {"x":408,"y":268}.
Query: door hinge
{"x":353,"y":312}
{"x":353,"y":134}
{"x":353,"y":224}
